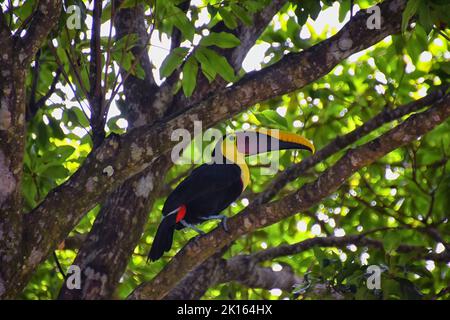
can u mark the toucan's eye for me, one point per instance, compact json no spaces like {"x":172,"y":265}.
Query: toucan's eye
{"x":231,"y":138}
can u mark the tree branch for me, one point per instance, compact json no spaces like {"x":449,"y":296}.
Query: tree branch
{"x":33,"y":105}
{"x":15,"y":57}
{"x":95,"y":96}
{"x":123,"y":215}
{"x":42,"y":22}
{"x":342,"y":142}
{"x":255,"y":217}
{"x":342,"y":242}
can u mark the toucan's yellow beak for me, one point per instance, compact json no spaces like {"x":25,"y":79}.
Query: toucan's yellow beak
{"x":262,"y":140}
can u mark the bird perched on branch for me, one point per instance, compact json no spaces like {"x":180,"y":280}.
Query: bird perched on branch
{"x":212,"y":187}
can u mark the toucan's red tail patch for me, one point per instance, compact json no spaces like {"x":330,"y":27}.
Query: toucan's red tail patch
{"x":181,"y":213}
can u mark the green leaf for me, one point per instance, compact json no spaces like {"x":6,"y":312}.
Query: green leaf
{"x":180,"y":20}
{"x":228,"y":18}
{"x":271,"y":117}
{"x":391,"y":241}
{"x":313,"y":7}
{"x":222,"y":40}
{"x":77,"y":116}
{"x":241,"y":14}
{"x":409,"y":12}
{"x":173,"y":61}
{"x":63,"y":152}
{"x":29,"y":191}
{"x":425,"y":18}
{"x":207,"y":68}
{"x":344,"y":8}
{"x":189,"y":80}
{"x":56,"y":172}
{"x":219,"y":64}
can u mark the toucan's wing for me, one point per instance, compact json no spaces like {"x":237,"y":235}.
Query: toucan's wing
{"x":204,"y":180}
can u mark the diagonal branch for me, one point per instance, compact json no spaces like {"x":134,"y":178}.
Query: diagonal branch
{"x":255,"y":217}
{"x":42,"y":22}
{"x":342,"y":142}
{"x":33,"y":105}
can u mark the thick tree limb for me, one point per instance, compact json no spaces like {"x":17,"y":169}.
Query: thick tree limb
{"x":10,"y":163}
{"x":195,"y":284}
{"x":15,"y":56}
{"x":129,"y":154}
{"x":255,"y":217}
{"x":243,"y":270}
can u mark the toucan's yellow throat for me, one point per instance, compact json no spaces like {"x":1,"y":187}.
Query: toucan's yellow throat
{"x":234,"y":147}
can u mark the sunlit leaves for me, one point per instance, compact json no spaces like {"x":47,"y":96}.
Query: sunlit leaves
{"x":173,"y":61}
{"x":228,"y":18}
{"x":389,"y":74}
{"x":212,"y":63}
{"x":270,"y":118}
{"x":190,"y":70}
{"x":222,"y":40}
{"x":241,"y":13}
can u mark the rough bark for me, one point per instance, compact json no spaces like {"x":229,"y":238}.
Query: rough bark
{"x":118,"y":158}
{"x":120,"y":223}
{"x":16,"y":53}
{"x":255,"y":217}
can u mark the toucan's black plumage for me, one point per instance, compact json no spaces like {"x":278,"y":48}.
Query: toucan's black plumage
{"x":207,"y":191}
{"x":212,"y":187}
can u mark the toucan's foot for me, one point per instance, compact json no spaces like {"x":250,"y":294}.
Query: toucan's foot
{"x":191,"y":226}
{"x":223,"y":218}
{"x":225,"y":225}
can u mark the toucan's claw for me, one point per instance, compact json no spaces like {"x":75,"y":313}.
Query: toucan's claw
{"x":223,"y":218}
{"x":191,"y":226}
{"x":225,"y":225}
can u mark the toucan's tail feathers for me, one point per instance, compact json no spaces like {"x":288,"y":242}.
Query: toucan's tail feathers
{"x":163,"y":238}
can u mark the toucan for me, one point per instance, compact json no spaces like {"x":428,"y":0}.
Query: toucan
{"x":213,"y":186}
